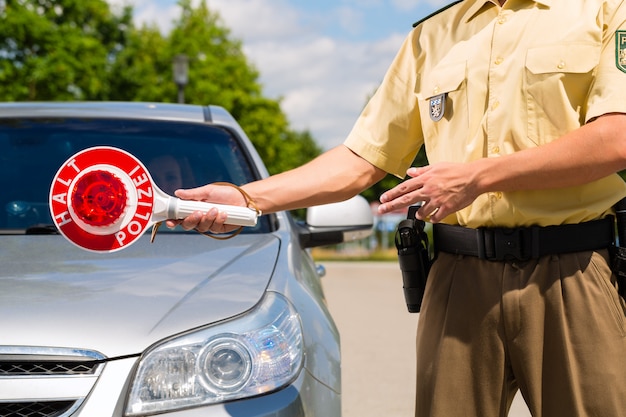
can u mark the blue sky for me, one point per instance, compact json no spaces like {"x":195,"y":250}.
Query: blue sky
{"x":322,"y":58}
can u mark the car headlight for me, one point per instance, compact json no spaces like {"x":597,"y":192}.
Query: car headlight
{"x":251,"y":355}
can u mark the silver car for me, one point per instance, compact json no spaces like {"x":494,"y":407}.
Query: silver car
{"x":185,"y":326}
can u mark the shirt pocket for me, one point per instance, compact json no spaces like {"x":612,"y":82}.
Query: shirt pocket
{"x":557,"y":83}
{"x":448,"y":82}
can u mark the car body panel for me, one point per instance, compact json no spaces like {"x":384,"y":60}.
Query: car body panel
{"x":179,"y":283}
{"x":149,"y":111}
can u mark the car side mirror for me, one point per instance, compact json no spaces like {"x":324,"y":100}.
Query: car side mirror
{"x":335,"y":223}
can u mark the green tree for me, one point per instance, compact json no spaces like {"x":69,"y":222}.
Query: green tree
{"x":142,"y":70}
{"x":59,"y":49}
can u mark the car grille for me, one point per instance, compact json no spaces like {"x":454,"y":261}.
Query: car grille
{"x":47,"y":368}
{"x":29,"y":376}
{"x":36,"y":409}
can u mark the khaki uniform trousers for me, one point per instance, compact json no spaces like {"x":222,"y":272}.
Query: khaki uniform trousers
{"x":554,"y":328}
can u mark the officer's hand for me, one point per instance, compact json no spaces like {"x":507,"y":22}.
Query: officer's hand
{"x":443,"y":189}
{"x":213,"y":220}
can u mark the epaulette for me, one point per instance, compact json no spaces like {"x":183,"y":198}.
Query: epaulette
{"x":436,"y":13}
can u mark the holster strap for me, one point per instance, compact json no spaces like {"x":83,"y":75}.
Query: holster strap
{"x":524,"y":243}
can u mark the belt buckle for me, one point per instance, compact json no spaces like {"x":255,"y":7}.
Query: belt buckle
{"x":505,"y":244}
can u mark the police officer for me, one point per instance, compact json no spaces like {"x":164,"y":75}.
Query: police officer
{"x":521,"y":105}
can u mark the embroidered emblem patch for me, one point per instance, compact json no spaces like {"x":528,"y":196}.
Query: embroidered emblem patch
{"x":620,"y":50}
{"x":437,"y":107}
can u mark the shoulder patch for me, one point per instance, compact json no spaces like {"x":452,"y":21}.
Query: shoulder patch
{"x":436,"y":13}
{"x":620,"y":50}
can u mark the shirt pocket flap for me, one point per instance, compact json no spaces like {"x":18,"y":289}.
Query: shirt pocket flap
{"x":569,"y":58}
{"x":441,"y":80}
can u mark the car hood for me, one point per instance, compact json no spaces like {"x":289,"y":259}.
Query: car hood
{"x":56,"y":295}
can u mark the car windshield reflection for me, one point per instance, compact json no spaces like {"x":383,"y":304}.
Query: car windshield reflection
{"x":177,"y":155}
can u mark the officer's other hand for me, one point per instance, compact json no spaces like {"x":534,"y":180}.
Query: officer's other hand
{"x":442,"y":188}
{"x":213,"y":220}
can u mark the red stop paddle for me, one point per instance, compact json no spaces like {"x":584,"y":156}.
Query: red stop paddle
{"x":103,"y":199}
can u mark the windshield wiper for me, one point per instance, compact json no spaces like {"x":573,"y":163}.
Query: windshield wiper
{"x":42,"y":229}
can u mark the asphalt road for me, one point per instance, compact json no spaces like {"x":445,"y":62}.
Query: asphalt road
{"x":377,"y":339}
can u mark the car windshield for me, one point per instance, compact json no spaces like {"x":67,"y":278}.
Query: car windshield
{"x":177,"y":155}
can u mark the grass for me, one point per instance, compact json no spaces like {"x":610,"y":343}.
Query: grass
{"x":329,"y":254}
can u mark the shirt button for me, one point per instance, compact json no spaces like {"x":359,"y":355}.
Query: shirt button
{"x":561,"y":65}
{"x":436,"y":90}
{"x":502,"y":20}
{"x":495,"y":105}
{"x":499,"y":60}
{"x":495,"y":150}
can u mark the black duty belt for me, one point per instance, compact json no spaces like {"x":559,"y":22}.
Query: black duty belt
{"x":524,"y":243}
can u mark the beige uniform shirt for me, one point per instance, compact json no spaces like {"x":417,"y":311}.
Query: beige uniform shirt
{"x":510,"y":78}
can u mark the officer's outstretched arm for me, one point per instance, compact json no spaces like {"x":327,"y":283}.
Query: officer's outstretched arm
{"x":336,"y":175}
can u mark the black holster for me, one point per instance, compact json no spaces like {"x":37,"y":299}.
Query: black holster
{"x":414,"y":258}
{"x":618,"y":253}
{"x":619,"y":269}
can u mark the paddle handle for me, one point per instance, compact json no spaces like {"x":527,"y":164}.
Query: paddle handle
{"x":237,"y":215}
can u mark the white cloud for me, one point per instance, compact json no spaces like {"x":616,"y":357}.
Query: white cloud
{"x":258,"y":20}
{"x":407,"y":5}
{"x":324,"y":83}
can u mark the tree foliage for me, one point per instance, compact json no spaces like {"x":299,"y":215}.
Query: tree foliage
{"x":58,"y":49}
{"x":82,"y":50}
